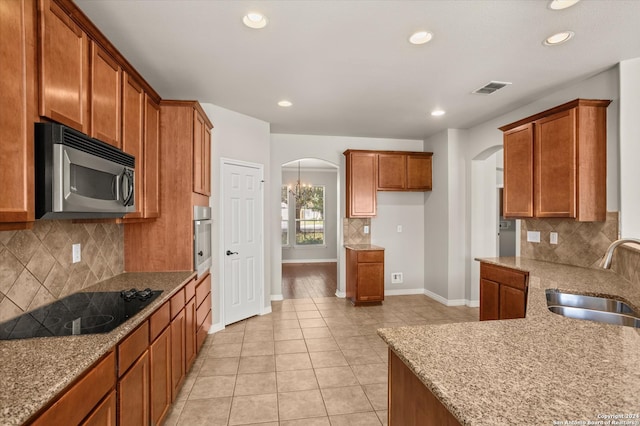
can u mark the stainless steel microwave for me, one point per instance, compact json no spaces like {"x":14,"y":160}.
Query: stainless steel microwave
{"x":78,"y":177}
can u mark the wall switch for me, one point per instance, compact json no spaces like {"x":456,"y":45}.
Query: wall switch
{"x":533,"y":236}
{"x":399,"y":228}
{"x":366,"y":229}
{"x":553,"y":238}
{"x":77,"y":256}
{"x":396,"y":278}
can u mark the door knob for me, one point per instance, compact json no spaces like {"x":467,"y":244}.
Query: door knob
{"x":229,"y":252}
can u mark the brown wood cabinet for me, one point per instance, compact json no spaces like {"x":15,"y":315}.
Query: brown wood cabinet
{"x":361,"y":183}
{"x":104,"y":414}
{"x":105,"y":96}
{"x":503,"y":292}
{"x":201,"y":153}
{"x":133,"y":104}
{"x":555,"y":163}
{"x":145,"y":243}
{"x":83,"y":397}
{"x":151,"y":199}
{"x":191,"y":329}
{"x":401,"y":171}
{"x":160,"y":361}
{"x":133,"y":394}
{"x":203,"y":310}
{"x":64,"y":68}
{"x":365,"y":276}
{"x":410,"y":402}
{"x":18,"y":112}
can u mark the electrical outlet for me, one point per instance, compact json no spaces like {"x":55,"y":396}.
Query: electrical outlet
{"x":366,"y":229}
{"x":553,"y":238}
{"x":76,"y":252}
{"x":396,"y":278}
{"x":533,"y":236}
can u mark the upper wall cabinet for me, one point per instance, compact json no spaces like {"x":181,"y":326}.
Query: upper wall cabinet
{"x":555,"y":163}
{"x":371,"y":171}
{"x":64,"y":68}
{"x":133,"y":103}
{"x":201,"y":153}
{"x":18,"y":111}
{"x":151,"y":158}
{"x":106,"y":86}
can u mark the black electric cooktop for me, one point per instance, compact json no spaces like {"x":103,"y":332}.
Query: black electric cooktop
{"x":79,"y":313}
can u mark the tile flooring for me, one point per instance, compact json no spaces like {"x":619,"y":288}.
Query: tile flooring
{"x":312,"y":361}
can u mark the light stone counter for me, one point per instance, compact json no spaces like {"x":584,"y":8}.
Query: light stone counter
{"x":363,"y":247}
{"x":33,"y":371}
{"x":536,"y":370}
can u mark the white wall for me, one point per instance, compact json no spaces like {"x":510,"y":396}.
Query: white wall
{"x":286,"y":148}
{"x":328,"y":252}
{"x":239,"y":137}
{"x":629,"y":148}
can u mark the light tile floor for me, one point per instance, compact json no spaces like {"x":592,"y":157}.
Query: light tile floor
{"x":310,"y":362}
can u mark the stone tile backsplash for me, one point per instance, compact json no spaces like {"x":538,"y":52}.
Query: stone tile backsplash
{"x":579,"y":243}
{"x":353,"y":231}
{"x":36,"y":265}
{"x":626,"y":262}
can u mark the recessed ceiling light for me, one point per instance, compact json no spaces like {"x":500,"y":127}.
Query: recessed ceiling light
{"x":420,"y":37}
{"x":254,"y":20}
{"x":558,"y":38}
{"x":437,"y":113}
{"x":285,"y":104}
{"x":561,"y":4}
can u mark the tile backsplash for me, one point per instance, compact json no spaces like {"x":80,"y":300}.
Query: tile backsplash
{"x":36,"y":265}
{"x":353,"y":231}
{"x":579,"y":243}
{"x":626,"y":262}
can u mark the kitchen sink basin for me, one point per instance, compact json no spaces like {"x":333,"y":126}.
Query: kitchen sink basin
{"x":599,"y":309}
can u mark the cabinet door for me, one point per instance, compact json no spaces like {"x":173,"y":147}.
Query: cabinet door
{"x":132,"y":114}
{"x":178,"y":329}
{"x":489,"y":300}
{"x":555,"y":165}
{"x":370,"y":284}
{"x":160,"y":389}
{"x":419,"y":172}
{"x":198,"y":153}
{"x":151,"y":158}
{"x":512,"y":302}
{"x":518,"y":172}
{"x":106,"y":86}
{"x":361,"y":184}
{"x":133,"y":394}
{"x":64,"y":68}
{"x":392,"y":172}
{"x":17,"y":110}
{"x":104,"y":414}
{"x":190,"y":333}
{"x":206,"y":161}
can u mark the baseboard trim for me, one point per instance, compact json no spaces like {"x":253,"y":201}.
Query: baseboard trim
{"x":265,"y":310}
{"x":341,"y":294}
{"x":473,"y":303}
{"x":216,"y":327}
{"x":403,"y":291}
{"x":309,"y":260}
{"x":276,"y":297}
{"x":453,"y":302}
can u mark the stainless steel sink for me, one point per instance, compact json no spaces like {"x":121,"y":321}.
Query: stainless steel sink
{"x":599,"y":309}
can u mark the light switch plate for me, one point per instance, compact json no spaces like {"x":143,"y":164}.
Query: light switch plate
{"x":533,"y":236}
{"x":553,"y":238}
{"x":399,"y":228}
{"x":77,"y":256}
{"x":366,"y":229}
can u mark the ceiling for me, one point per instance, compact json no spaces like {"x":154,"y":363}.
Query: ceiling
{"x":347,"y":66}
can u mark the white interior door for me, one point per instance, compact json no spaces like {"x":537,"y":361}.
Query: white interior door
{"x":242,"y":223}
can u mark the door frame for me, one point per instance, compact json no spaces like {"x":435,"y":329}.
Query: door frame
{"x":260,"y":235}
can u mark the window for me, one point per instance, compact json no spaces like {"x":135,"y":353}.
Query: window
{"x":308,"y":214}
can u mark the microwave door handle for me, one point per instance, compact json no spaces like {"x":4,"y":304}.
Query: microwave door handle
{"x":126,"y":185}
{"x":115,"y":187}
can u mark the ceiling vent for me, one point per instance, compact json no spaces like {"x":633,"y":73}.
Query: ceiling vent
{"x":491,"y":87}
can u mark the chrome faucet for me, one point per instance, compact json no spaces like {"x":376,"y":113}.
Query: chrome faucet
{"x":608,"y":256}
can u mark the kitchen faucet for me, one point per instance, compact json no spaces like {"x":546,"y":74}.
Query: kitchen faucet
{"x":608,"y":256}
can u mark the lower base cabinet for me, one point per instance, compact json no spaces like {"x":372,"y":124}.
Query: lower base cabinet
{"x":133,"y":394}
{"x":104,"y":414}
{"x":503,"y":292}
{"x":410,"y":402}
{"x":365,"y":276}
{"x":160,"y":364}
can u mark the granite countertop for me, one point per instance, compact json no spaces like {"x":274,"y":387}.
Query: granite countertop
{"x":35,"y":370}
{"x":362,"y":247}
{"x":538,"y":370}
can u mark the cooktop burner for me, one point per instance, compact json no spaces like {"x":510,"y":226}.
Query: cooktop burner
{"x":79,"y":313}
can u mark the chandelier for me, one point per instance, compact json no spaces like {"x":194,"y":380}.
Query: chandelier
{"x":302,"y":192}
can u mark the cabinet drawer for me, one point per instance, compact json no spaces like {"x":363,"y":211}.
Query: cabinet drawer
{"x":203,"y":289}
{"x":201,"y":312}
{"x":132,"y":347}
{"x":373,"y":256}
{"x":80,"y":400}
{"x":203,"y":331}
{"x":159,"y":321}
{"x":506,"y":276}
{"x":190,"y":290}
{"x":177,"y":303}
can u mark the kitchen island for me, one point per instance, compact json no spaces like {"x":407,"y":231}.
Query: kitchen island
{"x":34,"y":371}
{"x":544,"y":369}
